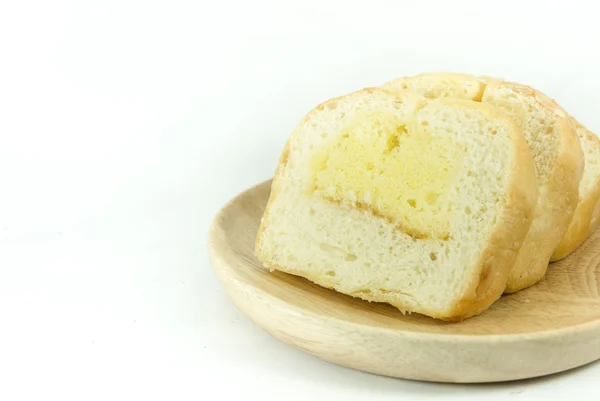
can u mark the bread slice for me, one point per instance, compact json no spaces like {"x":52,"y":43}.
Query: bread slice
{"x":422,"y":204}
{"x":556,"y":150}
{"x":587,"y":214}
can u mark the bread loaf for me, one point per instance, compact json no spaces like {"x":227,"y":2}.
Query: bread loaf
{"x":392,"y":197}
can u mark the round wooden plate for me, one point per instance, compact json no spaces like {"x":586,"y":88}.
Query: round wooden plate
{"x":550,"y":327}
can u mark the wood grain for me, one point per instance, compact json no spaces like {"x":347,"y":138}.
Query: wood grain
{"x":550,"y":327}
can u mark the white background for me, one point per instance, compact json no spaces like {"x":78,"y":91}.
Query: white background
{"x":126,"y":125}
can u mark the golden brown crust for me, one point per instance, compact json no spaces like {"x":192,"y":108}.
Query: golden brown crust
{"x":404,"y":84}
{"x":562,"y":191}
{"x":584,"y":223}
{"x":586,"y":217}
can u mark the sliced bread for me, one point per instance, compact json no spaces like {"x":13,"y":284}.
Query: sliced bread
{"x":587,"y":214}
{"x":391,"y":197}
{"x":556,"y":150}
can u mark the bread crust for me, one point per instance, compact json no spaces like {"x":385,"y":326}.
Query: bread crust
{"x":561,"y":200}
{"x":587,"y":214}
{"x":492,"y":269}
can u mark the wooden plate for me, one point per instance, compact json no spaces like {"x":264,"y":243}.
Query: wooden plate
{"x":550,"y":327}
